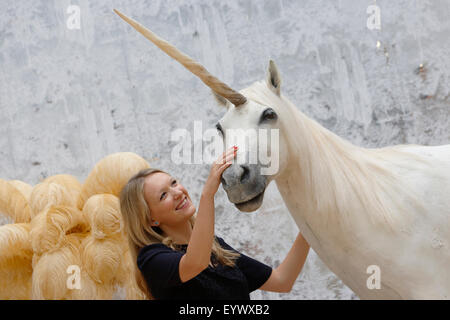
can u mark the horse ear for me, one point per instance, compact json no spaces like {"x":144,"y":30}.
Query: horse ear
{"x":273,"y":78}
{"x":221,"y":100}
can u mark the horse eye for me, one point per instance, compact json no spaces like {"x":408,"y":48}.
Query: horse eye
{"x":269,"y":114}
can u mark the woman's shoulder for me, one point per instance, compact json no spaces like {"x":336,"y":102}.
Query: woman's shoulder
{"x":148,"y":252}
{"x":154,"y":248}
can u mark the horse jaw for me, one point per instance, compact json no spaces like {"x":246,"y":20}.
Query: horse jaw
{"x":252,"y":204}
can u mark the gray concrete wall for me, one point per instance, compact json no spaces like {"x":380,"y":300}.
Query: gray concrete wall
{"x":70,"y":97}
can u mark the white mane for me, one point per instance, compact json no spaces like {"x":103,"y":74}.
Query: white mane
{"x":340,"y":178}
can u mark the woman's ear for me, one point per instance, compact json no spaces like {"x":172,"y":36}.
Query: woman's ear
{"x":154,"y":223}
{"x":273,"y":78}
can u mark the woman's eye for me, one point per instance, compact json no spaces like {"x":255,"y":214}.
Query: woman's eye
{"x":164,"y":193}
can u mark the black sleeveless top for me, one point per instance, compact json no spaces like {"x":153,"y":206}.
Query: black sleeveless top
{"x":159,"y":266}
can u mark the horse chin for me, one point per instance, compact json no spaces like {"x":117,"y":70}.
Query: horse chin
{"x":252,"y":204}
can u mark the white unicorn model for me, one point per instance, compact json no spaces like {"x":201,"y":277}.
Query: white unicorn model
{"x":360,"y":209}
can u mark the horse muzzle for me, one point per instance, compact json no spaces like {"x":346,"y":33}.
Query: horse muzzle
{"x":245,"y":186}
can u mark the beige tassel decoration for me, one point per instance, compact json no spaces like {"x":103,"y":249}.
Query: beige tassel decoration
{"x":47,"y":194}
{"x":23,"y":187}
{"x":15,"y":261}
{"x":68,"y":241}
{"x":13,"y":203}
{"x":111,"y":174}
{"x":104,"y":251}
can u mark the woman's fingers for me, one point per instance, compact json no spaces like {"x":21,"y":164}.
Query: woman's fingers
{"x":227,"y":155}
{"x":228,"y":162}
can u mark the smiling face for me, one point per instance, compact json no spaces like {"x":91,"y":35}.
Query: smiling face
{"x":168,"y":201}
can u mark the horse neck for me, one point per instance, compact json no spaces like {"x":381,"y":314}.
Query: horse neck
{"x":326,"y":177}
{"x":324,"y":173}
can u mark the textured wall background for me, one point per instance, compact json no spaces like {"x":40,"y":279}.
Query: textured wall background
{"x":70,"y":97}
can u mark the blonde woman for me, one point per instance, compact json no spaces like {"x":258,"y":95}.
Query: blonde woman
{"x":178,"y":257}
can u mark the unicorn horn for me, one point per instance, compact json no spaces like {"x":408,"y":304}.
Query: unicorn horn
{"x":196,"y":68}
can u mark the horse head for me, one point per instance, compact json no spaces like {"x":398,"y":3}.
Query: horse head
{"x":256,"y":127}
{"x":253,"y":121}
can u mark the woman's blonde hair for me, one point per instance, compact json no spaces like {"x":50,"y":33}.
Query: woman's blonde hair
{"x":136,"y":217}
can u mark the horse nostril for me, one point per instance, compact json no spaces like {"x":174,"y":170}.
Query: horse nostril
{"x":223,"y":181}
{"x":245,"y":175}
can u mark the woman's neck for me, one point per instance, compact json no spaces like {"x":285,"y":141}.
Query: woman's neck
{"x":180,"y":234}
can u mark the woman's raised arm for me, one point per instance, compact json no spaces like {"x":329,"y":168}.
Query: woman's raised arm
{"x":198,"y":252}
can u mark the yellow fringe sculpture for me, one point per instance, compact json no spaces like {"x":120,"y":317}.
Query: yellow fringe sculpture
{"x":67,"y":239}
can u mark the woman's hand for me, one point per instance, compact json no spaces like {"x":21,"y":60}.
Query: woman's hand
{"x":283,"y":277}
{"x":218,"y":167}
